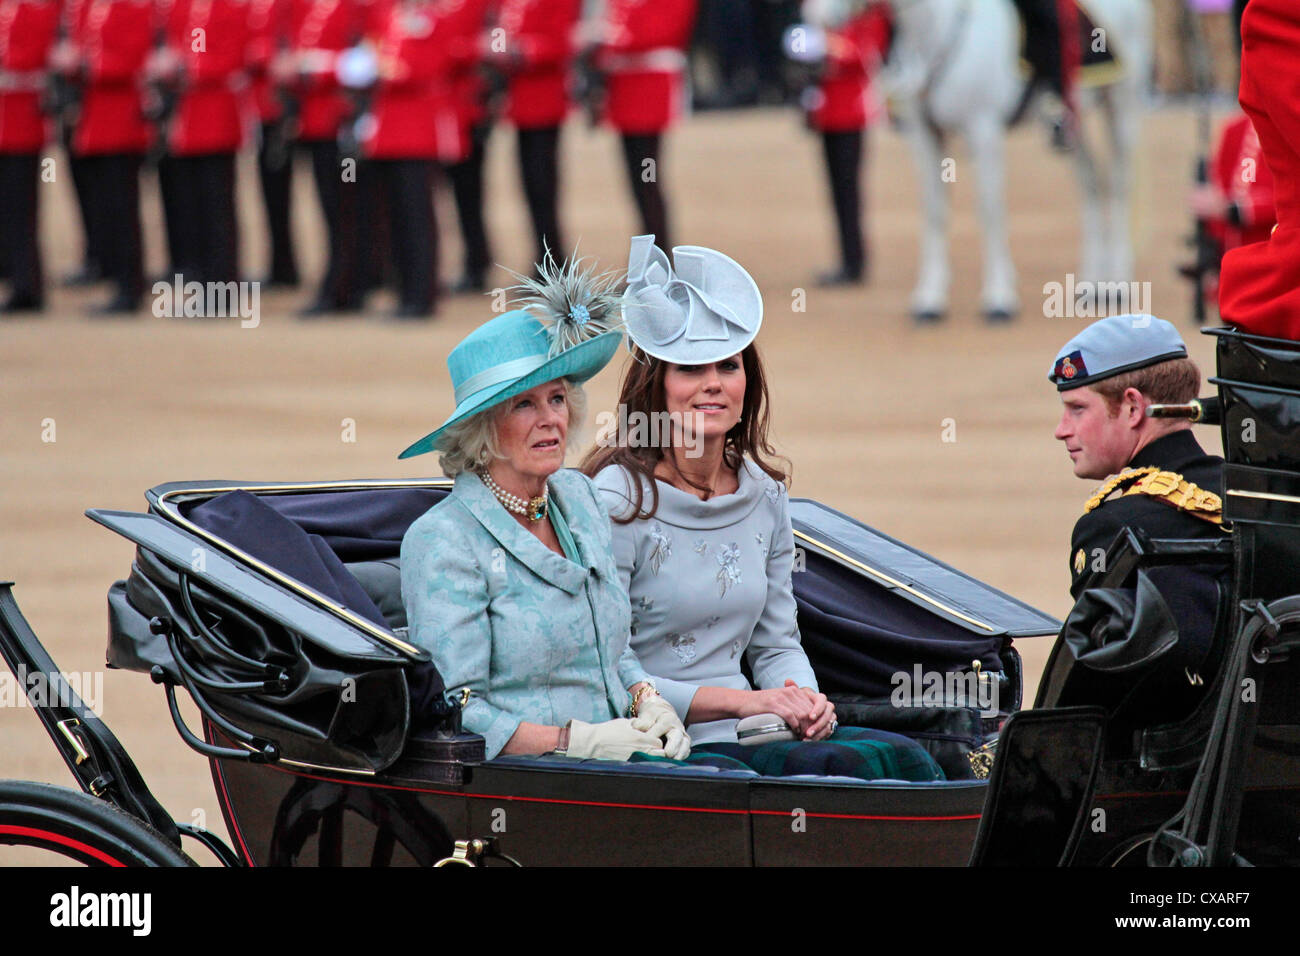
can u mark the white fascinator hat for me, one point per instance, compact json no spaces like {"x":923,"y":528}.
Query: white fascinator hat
{"x":699,"y":308}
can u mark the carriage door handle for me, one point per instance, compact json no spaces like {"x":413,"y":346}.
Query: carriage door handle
{"x":474,"y":852}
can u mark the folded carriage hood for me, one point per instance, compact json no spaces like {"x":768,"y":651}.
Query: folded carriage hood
{"x":914,"y":575}
{"x":221,"y":572}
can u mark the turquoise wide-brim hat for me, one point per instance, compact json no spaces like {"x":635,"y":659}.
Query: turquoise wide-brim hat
{"x":508,"y":355}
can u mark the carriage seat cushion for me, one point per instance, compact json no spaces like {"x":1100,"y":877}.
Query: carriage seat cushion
{"x":382,"y":582}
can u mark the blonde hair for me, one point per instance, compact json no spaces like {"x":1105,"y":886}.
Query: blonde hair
{"x":471,"y":445}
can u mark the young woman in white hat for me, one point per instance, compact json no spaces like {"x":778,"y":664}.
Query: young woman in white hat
{"x":701,"y":525}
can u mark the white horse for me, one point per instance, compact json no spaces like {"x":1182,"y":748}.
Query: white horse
{"x":955,"y":69}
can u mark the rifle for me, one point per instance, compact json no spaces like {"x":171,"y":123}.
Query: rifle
{"x":62,"y":96}
{"x":284,"y":130}
{"x":161,"y":96}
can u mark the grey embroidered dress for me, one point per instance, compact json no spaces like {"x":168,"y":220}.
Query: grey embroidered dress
{"x":710,"y":584}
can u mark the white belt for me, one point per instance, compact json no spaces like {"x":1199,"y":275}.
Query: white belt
{"x":22,"y":81}
{"x":664,"y":59}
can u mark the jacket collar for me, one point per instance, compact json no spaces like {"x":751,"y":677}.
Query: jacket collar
{"x":555,"y":569}
{"x":685,"y":510}
{"x":1172,"y":452}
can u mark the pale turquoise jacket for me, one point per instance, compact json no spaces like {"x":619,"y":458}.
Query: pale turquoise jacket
{"x":534,"y":636}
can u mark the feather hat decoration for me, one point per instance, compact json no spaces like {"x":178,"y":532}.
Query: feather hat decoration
{"x":573,"y":302}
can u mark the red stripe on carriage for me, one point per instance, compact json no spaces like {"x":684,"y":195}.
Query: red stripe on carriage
{"x":624,"y":806}
{"x":223,"y":797}
{"x":866,"y":816}
{"x":595,"y":803}
{"x":53,"y":837}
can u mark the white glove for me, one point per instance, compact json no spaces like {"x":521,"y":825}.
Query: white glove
{"x":656,"y":717}
{"x":611,"y":740}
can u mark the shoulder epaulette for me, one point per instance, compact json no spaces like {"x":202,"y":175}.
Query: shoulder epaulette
{"x":1167,"y":486}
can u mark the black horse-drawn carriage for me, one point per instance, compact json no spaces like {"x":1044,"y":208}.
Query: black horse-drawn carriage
{"x":332,"y":740}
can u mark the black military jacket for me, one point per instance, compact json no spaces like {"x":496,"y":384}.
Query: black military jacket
{"x":1094,"y":533}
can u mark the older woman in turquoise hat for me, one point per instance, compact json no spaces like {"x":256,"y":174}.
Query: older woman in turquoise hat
{"x":510,"y":581}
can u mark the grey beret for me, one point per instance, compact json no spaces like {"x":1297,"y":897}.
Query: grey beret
{"x":1119,"y":343}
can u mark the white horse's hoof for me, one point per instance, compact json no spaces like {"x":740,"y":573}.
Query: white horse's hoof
{"x":928,"y":316}
{"x":999,"y":315}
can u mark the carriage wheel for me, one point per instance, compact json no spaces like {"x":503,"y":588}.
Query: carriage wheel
{"x":79,"y":828}
{"x":1131,"y":853}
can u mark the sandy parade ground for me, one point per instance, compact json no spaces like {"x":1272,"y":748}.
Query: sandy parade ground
{"x":940,"y":436}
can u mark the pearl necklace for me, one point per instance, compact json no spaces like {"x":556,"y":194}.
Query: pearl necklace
{"x":534,"y":509}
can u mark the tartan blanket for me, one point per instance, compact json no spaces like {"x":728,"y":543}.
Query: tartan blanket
{"x":849,"y":752}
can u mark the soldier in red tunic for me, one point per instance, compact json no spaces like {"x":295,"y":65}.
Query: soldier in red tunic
{"x":65,"y":103}
{"x":27,"y":32}
{"x":1237,"y":202}
{"x":466,"y":46}
{"x":642,"y":57}
{"x":323,"y":30}
{"x":412,"y":125}
{"x":113,"y":42}
{"x":534,"y":48}
{"x":270,"y":28}
{"x":208,"y":40}
{"x":1258,"y":287}
{"x":840,"y":107}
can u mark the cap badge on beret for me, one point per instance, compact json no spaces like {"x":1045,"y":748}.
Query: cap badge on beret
{"x":1070,"y":366}
{"x":1112,"y":346}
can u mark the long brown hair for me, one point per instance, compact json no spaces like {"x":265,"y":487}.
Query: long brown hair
{"x":643,"y":391}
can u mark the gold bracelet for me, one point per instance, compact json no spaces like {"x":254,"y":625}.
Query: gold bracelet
{"x":646,"y":688}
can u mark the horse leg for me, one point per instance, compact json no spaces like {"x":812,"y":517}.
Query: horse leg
{"x":1094,"y":254}
{"x":987,"y":139}
{"x":1122,"y":118}
{"x":930,"y":296}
